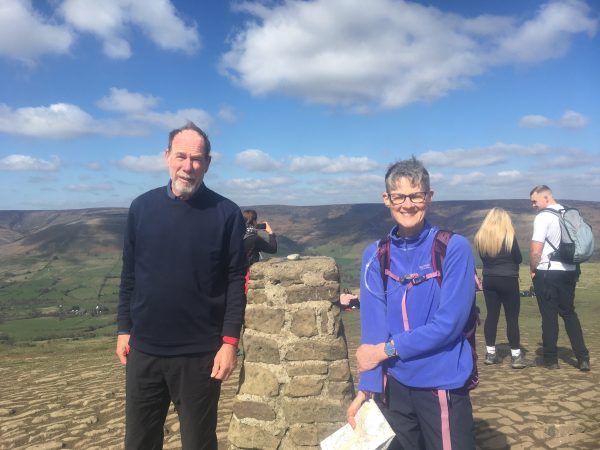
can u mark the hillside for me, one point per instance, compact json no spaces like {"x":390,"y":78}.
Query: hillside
{"x":66,"y":265}
{"x":300,"y":228}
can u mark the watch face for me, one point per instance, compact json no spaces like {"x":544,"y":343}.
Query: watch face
{"x":389,"y":349}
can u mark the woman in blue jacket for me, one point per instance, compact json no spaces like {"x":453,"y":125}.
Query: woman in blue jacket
{"x":413,"y":349}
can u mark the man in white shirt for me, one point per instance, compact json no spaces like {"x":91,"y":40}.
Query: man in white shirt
{"x":554,"y":282}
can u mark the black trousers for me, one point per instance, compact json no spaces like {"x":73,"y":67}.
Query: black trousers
{"x":152,"y":382}
{"x":498,"y":292}
{"x":423,"y":420}
{"x":555,"y":292}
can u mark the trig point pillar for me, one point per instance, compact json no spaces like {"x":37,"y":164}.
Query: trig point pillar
{"x":295,"y":382}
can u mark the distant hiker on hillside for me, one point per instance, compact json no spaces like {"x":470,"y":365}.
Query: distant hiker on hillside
{"x":181,"y":301}
{"x":499,"y":251}
{"x":413,"y":317}
{"x":554,"y":282}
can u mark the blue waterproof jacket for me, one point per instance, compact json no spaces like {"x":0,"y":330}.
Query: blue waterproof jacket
{"x":434,"y":353}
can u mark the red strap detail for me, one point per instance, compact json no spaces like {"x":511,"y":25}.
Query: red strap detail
{"x":445,"y":416}
{"x":231,"y":340}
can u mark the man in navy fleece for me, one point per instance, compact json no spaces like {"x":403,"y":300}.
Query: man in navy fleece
{"x":416,"y":334}
{"x":181,"y":301}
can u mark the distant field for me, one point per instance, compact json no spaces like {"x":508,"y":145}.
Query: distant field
{"x":37,"y":297}
{"x":57,"y":298}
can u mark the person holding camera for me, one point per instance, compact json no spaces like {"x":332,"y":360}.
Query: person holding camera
{"x":253,"y":243}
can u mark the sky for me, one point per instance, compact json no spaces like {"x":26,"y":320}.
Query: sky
{"x":305,"y":102}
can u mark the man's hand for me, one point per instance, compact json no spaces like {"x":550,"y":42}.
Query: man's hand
{"x":225,"y":362}
{"x":123,"y":347}
{"x":370,"y":356}
{"x":354,"y":407}
{"x":535,"y":255}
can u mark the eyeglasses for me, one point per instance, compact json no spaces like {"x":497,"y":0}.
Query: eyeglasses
{"x":415,"y":197}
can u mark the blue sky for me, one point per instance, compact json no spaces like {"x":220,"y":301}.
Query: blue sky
{"x":305,"y":102}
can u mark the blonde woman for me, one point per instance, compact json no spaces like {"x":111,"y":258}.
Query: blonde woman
{"x":498,"y":248}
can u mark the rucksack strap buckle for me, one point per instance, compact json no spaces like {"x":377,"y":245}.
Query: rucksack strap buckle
{"x":418,"y":279}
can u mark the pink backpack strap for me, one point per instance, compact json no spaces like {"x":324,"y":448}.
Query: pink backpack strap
{"x":445,"y":419}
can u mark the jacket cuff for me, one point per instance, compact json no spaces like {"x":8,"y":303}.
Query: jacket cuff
{"x":231,"y":340}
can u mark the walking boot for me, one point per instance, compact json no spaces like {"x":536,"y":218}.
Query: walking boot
{"x":519,"y":362}
{"x":584,"y":365}
{"x":491,"y":358}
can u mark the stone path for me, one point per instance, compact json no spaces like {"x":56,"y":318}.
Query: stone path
{"x":76,"y":400}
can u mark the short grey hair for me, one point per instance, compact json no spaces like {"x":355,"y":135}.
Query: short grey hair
{"x":412,"y":168}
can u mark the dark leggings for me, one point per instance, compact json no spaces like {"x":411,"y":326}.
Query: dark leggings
{"x":500,"y":291}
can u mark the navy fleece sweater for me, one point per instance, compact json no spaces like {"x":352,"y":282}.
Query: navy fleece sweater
{"x":182,"y":283}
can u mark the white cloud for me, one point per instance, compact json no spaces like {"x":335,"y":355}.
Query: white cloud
{"x":468,"y":178}
{"x":255,"y":184}
{"x":390,"y":53}
{"x":109,"y":20}
{"x":227,"y":113}
{"x":138,"y":107}
{"x":547,"y":35}
{"x":480,"y":157}
{"x":25,"y":34}
{"x":176,"y":119}
{"x":535,"y":121}
{"x":324,"y":164}
{"x":121,"y":100}
{"x":143,"y":163}
{"x":101,"y":187}
{"x":65,"y":120}
{"x":24,"y":162}
{"x":570,"y":119}
{"x":59,"y":120}
{"x":571,"y":158}
{"x":256,"y":160}
{"x":512,"y":174}
{"x":94,"y":166}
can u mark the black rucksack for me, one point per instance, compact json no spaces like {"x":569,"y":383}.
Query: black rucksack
{"x":438,"y":253}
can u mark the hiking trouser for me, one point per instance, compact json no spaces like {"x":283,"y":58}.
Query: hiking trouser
{"x":429,"y":419}
{"x":502,"y":291}
{"x":555,"y":292}
{"x":152,"y":382}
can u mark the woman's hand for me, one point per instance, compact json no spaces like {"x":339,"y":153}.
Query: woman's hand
{"x":354,"y":407}
{"x":268,"y":228}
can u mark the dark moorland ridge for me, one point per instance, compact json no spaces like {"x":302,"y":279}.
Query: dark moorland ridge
{"x":301,"y":229}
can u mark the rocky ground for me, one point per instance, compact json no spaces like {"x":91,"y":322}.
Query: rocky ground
{"x":74,"y":399}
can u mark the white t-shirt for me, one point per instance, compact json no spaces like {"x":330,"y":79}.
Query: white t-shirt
{"x":546,"y":225}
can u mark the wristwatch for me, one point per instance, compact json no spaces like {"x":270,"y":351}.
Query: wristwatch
{"x":389,"y":349}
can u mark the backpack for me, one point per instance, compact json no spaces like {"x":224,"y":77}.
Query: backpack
{"x":250,"y":244}
{"x":438,"y":253}
{"x":576,"y":237}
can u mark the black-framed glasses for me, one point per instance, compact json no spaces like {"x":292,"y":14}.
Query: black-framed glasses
{"x":415,"y":197}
